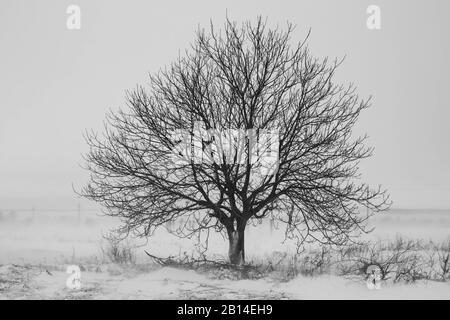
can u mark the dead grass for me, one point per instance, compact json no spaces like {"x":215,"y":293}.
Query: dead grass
{"x":400,"y":260}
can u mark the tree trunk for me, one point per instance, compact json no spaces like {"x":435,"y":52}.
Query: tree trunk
{"x":236,"y":252}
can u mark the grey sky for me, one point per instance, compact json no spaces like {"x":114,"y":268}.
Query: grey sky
{"x":54,"y":83}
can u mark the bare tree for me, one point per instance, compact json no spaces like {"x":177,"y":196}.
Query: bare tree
{"x":245,"y":77}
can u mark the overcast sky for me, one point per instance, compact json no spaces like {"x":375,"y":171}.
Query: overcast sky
{"x":56,"y":82}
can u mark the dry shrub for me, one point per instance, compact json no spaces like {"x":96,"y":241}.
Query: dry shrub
{"x":398,"y":260}
{"x":117,"y":251}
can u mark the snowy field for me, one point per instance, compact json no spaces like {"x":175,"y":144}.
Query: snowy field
{"x":36,"y":248}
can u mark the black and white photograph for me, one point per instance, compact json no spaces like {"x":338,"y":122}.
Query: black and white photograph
{"x":247,"y":152}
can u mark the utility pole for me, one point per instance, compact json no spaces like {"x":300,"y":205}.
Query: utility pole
{"x":79,"y":211}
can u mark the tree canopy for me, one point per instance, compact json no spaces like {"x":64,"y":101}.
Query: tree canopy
{"x":243,"y":126}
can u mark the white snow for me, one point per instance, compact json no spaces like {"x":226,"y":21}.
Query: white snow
{"x":29,"y":247}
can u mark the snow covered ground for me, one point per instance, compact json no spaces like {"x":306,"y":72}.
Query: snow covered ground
{"x":115,"y":282}
{"x":35,"y":251}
